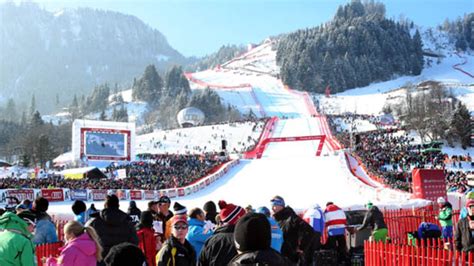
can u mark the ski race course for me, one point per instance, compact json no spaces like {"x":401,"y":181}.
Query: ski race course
{"x":299,"y":159}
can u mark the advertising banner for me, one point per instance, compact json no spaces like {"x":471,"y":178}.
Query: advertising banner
{"x":428,"y":184}
{"x":149,"y":194}
{"x":79,"y":194}
{"x":181,"y":192}
{"x":135,"y":194}
{"x":55,"y":194}
{"x":99,"y":194}
{"x":20,"y":194}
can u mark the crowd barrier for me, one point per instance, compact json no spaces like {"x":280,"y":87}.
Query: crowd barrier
{"x":45,"y":251}
{"x":426,"y":253}
{"x":266,"y":133}
{"x":64,"y":194}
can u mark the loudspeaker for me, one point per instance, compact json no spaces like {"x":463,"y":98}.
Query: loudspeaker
{"x":223,"y":144}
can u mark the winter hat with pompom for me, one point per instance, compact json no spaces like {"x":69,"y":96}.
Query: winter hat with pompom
{"x":230,"y":213}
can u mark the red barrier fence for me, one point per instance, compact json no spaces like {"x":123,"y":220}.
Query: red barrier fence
{"x":60,"y":228}
{"x":401,"y":222}
{"x":426,"y":253}
{"x":45,"y":251}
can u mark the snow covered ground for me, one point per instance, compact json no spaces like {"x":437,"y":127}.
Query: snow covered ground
{"x":291,"y":169}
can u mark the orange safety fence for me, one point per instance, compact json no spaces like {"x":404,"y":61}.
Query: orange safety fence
{"x":45,"y":251}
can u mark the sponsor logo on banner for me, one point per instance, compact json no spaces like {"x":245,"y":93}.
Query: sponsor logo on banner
{"x":208,"y":181}
{"x":79,"y":194}
{"x":180,"y":192}
{"x":202,"y":185}
{"x":53,"y":194}
{"x":120,"y":193}
{"x":99,"y":194}
{"x":172,"y":193}
{"x":20,"y":194}
{"x":149,"y":194}
{"x":135,"y":194}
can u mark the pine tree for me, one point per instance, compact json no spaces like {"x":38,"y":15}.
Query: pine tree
{"x":32,"y":105}
{"x":10,"y":111}
{"x":102,"y":116}
{"x":149,"y":87}
{"x":461,"y":125}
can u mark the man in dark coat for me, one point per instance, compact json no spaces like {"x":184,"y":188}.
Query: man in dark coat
{"x":219,"y":249}
{"x":134,"y":212}
{"x":299,"y":239}
{"x":464,"y":240}
{"x":113,"y":226}
{"x":253,"y":242}
{"x":374,"y":219}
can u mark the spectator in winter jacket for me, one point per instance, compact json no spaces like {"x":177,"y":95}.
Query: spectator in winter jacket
{"x":219,"y":249}
{"x":336,"y":228}
{"x":252,"y":239}
{"x":82,"y":247}
{"x":134,"y":212}
{"x":79,"y":210}
{"x":113,"y":226}
{"x":299,"y":239}
{"x":374,"y":218}
{"x":164,"y":214}
{"x":16,"y":247}
{"x":91,"y":212}
{"x":45,"y":231}
{"x":445,"y":218}
{"x":314,"y":216}
{"x":147,"y":237}
{"x":178,"y":210}
{"x":211,"y":211}
{"x":197,"y":233}
{"x":277,"y":234}
{"x":464,"y":212}
{"x":177,"y":251}
{"x":464,"y":239}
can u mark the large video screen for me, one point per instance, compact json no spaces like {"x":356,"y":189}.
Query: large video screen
{"x":105,"y":144}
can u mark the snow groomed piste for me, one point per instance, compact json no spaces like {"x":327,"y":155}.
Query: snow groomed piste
{"x":296,"y":157}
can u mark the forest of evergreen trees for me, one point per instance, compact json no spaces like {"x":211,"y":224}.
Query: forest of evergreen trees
{"x":357,"y":47}
{"x":462,"y":30}
{"x":225,"y":53}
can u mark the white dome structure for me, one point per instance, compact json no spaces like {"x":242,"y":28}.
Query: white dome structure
{"x":190,"y":117}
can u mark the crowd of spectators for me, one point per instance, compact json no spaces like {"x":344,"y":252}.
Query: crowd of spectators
{"x":389,"y":153}
{"x":152,"y":172}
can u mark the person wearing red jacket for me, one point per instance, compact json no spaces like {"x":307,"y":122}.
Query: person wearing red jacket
{"x":336,"y":228}
{"x":147,"y":237}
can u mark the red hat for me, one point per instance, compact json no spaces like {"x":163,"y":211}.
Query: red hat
{"x":469,"y":202}
{"x":230,"y":213}
{"x":179,"y":219}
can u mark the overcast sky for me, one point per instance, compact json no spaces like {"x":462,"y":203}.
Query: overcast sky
{"x":199,"y":27}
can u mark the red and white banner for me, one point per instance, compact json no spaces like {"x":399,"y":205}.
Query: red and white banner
{"x":99,"y":194}
{"x":149,"y":194}
{"x":181,"y":192}
{"x":135,"y":194}
{"x":55,"y":194}
{"x":20,"y":194}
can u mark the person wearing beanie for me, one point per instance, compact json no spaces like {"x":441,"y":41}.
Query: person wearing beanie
{"x":463,"y":238}
{"x":178,"y":210}
{"x":197,"y":233}
{"x":125,"y":254}
{"x":277,"y":234}
{"x":211,"y":211}
{"x":16,"y":247}
{"x":219,"y":249}
{"x":164,"y":215}
{"x":113,"y":225}
{"x":79,"y":209}
{"x":299,"y":239}
{"x":374,"y":219}
{"x":134,"y":212}
{"x":45,"y":231}
{"x":464,"y":212}
{"x":147,"y":239}
{"x":177,"y":251}
{"x":445,"y":219}
{"x":252,"y":237}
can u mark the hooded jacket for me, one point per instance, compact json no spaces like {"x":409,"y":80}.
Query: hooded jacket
{"x":219,"y":249}
{"x":134,"y":212}
{"x":113,"y":227}
{"x":16,"y":247}
{"x":45,"y":231}
{"x":261,"y":257}
{"x":196,"y":235}
{"x":81,"y":251}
